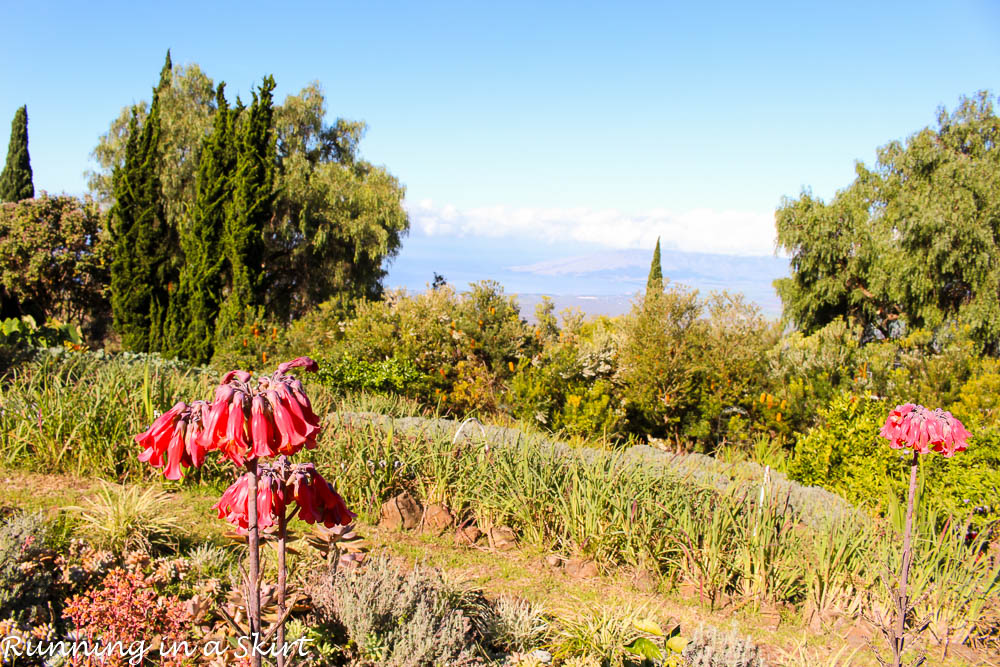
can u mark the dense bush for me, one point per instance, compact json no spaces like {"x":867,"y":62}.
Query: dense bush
{"x":845,"y":454}
{"x":21,"y":337}
{"x":659,"y":361}
{"x":54,"y":262}
{"x":27,"y":571}
{"x":736,"y":338}
{"x":393,"y":618}
{"x":391,"y":375}
{"x":464,"y":346}
{"x":127,"y":607}
{"x":571,"y":385}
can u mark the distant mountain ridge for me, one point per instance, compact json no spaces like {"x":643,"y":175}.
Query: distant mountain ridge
{"x":614,"y":276}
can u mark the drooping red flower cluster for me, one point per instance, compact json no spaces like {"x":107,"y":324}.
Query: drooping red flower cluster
{"x":174,"y":439}
{"x":315,"y":499}
{"x":234,"y":505}
{"x":921,"y":429}
{"x":246,"y":420}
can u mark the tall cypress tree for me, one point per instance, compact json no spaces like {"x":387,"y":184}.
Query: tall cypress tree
{"x":654,"y":282}
{"x":251,"y":210}
{"x":166,"y":72}
{"x":143,"y":265}
{"x":15,"y":181}
{"x":195,"y":306}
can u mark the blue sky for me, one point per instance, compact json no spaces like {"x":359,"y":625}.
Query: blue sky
{"x":568,"y":127}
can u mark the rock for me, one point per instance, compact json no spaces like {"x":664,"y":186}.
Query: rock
{"x":437,"y":519}
{"x":401,"y":512}
{"x":645,"y":580}
{"x":542,"y":656}
{"x":581,"y":568}
{"x":502,"y":538}
{"x":553,"y":560}
{"x":467,"y":534}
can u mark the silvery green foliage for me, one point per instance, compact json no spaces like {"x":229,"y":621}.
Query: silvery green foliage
{"x":25,"y":580}
{"x":208,"y":560}
{"x":396,"y":619}
{"x":710,"y":647}
{"x":516,"y":625}
{"x":811,"y":504}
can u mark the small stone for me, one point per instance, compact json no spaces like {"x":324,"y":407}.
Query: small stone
{"x":581,"y":568}
{"x":542,"y":656}
{"x":467,"y":534}
{"x":553,"y":560}
{"x":502,"y":538}
{"x":402,"y":512}
{"x":438,"y":519}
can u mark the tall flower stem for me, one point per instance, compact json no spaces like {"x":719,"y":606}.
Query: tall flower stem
{"x":901,"y":602}
{"x":253,"y":586}
{"x":282,"y":569}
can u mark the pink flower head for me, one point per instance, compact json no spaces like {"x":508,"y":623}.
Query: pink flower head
{"x":218,"y":418}
{"x":234,"y":505}
{"x":316,"y":498}
{"x":922,"y":430}
{"x":173,"y":440}
{"x":305,"y":363}
{"x":239,"y":376}
{"x":300,"y":395}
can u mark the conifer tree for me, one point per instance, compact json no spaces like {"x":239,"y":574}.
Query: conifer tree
{"x":16,"y":179}
{"x":143,"y":272}
{"x":195,"y":306}
{"x":654,"y":283}
{"x":251,"y":210}
{"x":166,"y":73}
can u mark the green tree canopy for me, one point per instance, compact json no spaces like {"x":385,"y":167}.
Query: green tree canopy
{"x":916,"y":239}
{"x":53,"y":261}
{"x":15,"y":181}
{"x":659,"y":370}
{"x":337,"y":218}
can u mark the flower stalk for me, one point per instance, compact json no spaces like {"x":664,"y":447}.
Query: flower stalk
{"x":253,"y":542}
{"x":248,"y":421}
{"x":904,"y":572}
{"x":922,"y":430}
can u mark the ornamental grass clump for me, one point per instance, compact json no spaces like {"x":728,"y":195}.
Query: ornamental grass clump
{"x":257,"y":424}
{"x":918,"y":428}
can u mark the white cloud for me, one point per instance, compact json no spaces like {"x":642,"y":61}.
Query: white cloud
{"x":699,"y":230}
